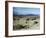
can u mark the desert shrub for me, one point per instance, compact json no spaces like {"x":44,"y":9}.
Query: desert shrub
{"x":26,"y":26}
{"x":14,"y":18}
{"x":13,"y":27}
{"x":34,"y":18}
{"x":27,"y":19}
{"x":20,"y":16}
{"x":35,"y":22}
{"x":18,"y":19}
{"x":17,"y":27}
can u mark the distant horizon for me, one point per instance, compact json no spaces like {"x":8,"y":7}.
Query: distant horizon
{"x":25,"y":11}
{"x":27,"y":15}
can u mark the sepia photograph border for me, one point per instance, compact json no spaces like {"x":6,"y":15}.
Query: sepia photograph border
{"x":6,"y":18}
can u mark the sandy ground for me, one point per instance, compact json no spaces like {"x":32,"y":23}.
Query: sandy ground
{"x":26,"y":22}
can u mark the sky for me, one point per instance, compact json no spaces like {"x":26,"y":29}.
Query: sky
{"x":25,"y":10}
